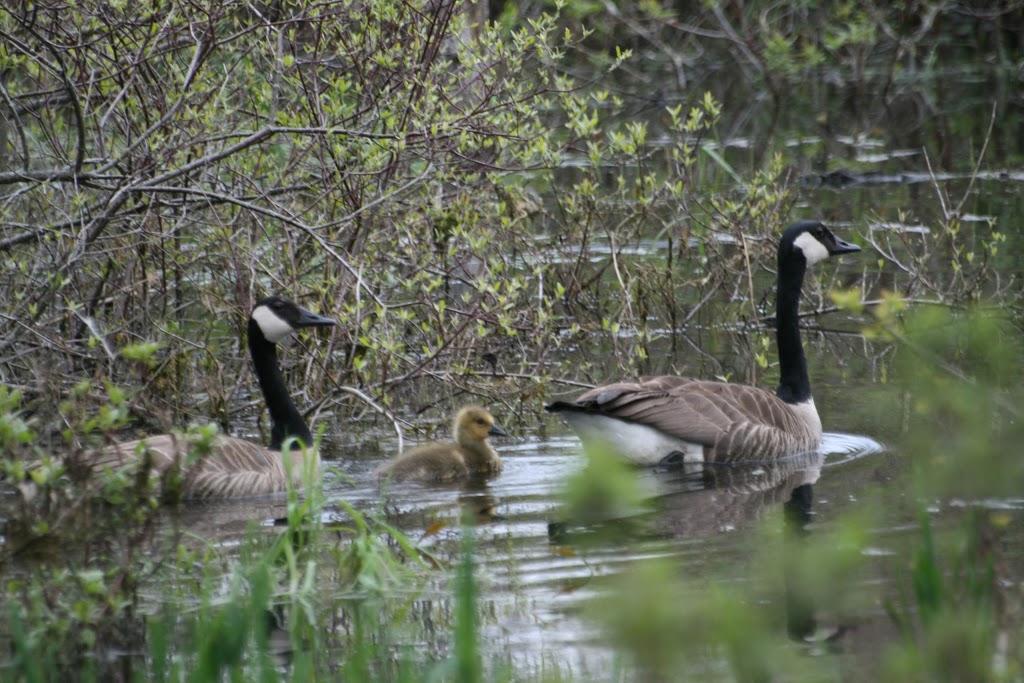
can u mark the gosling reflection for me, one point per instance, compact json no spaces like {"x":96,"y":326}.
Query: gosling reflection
{"x":442,"y":508}
{"x":478,"y":504}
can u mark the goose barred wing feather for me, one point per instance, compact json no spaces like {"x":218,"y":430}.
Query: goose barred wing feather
{"x":731,"y":421}
{"x":240,"y":468}
{"x":233,"y":468}
{"x":162,"y":451}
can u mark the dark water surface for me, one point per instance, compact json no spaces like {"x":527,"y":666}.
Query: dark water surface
{"x":536,"y":576}
{"x":863,"y":169}
{"x":536,"y":573}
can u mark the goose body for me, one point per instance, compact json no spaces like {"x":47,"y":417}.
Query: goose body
{"x":236,"y":467}
{"x":706,"y":421}
{"x":468,"y":455}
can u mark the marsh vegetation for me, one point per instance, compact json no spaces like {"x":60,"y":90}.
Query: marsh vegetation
{"x":504,"y":214}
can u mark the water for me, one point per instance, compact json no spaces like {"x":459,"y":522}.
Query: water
{"x":537,"y":572}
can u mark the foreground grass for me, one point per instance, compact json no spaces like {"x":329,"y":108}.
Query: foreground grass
{"x":121,"y":242}
{"x":311,"y":600}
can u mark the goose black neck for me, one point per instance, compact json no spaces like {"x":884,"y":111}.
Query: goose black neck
{"x":285,"y":420}
{"x":794,"y":385}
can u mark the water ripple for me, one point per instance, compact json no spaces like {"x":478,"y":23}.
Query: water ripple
{"x":841,"y":448}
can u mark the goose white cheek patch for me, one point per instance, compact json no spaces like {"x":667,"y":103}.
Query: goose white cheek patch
{"x":273,"y":327}
{"x":814,"y":251}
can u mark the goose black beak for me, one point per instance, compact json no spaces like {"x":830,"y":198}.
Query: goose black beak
{"x":311,"y":319}
{"x":842,"y":247}
{"x":497,"y":431}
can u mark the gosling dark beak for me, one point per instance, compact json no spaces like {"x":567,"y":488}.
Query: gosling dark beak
{"x":842,"y":247}
{"x":497,"y":431}
{"x":311,"y":319}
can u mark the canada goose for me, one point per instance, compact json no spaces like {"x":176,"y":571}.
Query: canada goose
{"x":708,"y":421}
{"x":236,"y":467}
{"x":469,"y":455}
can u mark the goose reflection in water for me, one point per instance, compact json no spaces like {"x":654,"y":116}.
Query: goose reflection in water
{"x":696,"y":500}
{"x":730,"y":495}
{"x":717,"y":498}
{"x":441,"y":508}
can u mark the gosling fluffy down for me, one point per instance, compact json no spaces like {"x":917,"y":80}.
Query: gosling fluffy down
{"x":470,"y":454}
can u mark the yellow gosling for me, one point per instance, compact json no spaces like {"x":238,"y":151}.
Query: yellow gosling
{"x":469,"y":456}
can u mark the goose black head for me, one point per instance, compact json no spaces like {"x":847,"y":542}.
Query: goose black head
{"x":813,"y":241}
{"x":276,"y":318}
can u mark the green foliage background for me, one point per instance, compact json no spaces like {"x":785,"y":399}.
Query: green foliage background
{"x":440,"y":185}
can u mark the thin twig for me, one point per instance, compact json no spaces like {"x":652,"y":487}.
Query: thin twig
{"x":977,"y":163}
{"x":332,"y":399}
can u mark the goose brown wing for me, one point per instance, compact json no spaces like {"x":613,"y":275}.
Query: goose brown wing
{"x":732,"y":421}
{"x":677,"y":406}
{"x":233,"y":468}
{"x":760,"y":424}
{"x":242,"y":468}
{"x":162,"y":451}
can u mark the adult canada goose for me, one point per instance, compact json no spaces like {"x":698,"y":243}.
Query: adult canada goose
{"x":648,"y":420}
{"x":236,"y":467}
{"x":469,"y":455}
